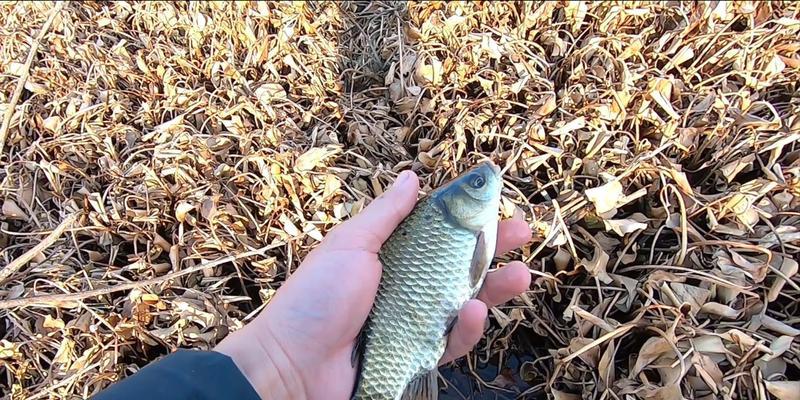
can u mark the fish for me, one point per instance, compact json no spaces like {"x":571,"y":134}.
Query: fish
{"x":433,"y":263}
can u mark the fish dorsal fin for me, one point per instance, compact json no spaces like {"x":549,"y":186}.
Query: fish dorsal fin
{"x":424,"y":387}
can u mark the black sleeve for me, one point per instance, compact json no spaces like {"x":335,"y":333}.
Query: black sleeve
{"x":185,"y":374}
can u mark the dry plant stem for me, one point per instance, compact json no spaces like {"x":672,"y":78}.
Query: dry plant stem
{"x":55,"y":299}
{"x":684,"y":231}
{"x":11,"y":106}
{"x":20,"y":261}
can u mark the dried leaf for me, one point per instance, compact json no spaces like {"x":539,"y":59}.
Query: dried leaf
{"x":51,"y":123}
{"x":562,"y":259}
{"x":628,"y":225}
{"x":740,"y":204}
{"x":182,"y":209}
{"x":708,"y":370}
{"x":576,"y":13}
{"x":12,"y":210}
{"x":742,"y":339}
{"x":781,"y":234}
{"x":719,"y":310}
{"x":597,"y":265}
{"x":778,"y":347}
{"x":694,"y":296}
{"x":605,"y":197}
{"x":591,"y":356}
{"x":630,"y":285}
{"x":736,"y":166}
{"x":784,"y":390}
{"x":53,"y":323}
{"x":161,"y":131}
{"x":709,"y":344}
{"x":681,"y":180}
{"x":269,"y":93}
{"x":315,"y":157}
{"x":774,"y":325}
{"x":559,"y":395}
{"x":788,"y":268}
{"x":651,"y":350}
{"x":430,"y":72}
{"x":606,"y":365}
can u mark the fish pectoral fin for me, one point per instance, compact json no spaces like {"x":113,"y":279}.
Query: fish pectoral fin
{"x":358,"y":348}
{"x":424,"y":387}
{"x":357,"y":356}
{"x":480,"y":262}
{"x":450,"y":325}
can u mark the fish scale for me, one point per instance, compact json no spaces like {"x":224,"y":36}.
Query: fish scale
{"x":425,"y":282}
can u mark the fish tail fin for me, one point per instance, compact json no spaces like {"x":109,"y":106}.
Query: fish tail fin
{"x":424,"y":387}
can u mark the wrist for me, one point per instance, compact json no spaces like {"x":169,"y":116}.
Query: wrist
{"x":262,"y":360}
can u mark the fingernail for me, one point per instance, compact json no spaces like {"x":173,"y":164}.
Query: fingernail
{"x":402,"y":178}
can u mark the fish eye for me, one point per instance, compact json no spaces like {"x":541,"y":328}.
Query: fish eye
{"x":477,"y":182}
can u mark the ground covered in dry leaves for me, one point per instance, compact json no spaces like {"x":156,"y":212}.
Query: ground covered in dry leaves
{"x":166,"y":166}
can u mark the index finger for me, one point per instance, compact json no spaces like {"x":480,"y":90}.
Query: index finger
{"x":375,"y":223}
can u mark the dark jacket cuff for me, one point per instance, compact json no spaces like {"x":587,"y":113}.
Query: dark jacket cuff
{"x":185,"y":374}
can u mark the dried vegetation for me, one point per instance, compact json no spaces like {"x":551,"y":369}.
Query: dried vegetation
{"x":165,"y":166}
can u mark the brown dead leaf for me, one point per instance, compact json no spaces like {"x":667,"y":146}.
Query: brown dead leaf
{"x":622,"y":227}
{"x":709,"y":344}
{"x":606,"y":197}
{"x":182,"y":210}
{"x":788,"y":268}
{"x":744,"y":340}
{"x":559,"y":395}
{"x":269,"y":93}
{"x":733,"y":168}
{"x":720,"y":310}
{"x":12,"y":210}
{"x":606,"y":366}
{"x":429,"y":72}
{"x":784,"y":390}
{"x":782,"y":234}
{"x":669,"y":392}
{"x":597,"y":265}
{"x":651,"y":350}
{"x":315,"y":157}
{"x":682,"y":293}
{"x":708,"y":370}
{"x":778,"y":347}
{"x":591,"y":356}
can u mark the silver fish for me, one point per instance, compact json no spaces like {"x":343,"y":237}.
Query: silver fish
{"x":433,"y":263}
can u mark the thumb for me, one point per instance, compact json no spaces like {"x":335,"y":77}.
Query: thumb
{"x":373,"y":225}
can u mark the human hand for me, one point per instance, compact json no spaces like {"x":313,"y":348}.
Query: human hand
{"x":300,"y":346}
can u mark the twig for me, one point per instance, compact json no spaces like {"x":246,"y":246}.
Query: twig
{"x":23,"y":78}
{"x":684,"y":228}
{"x":55,"y":299}
{"x":51,"y":238}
